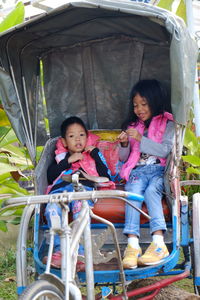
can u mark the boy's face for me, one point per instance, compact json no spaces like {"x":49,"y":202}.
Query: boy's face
{"x":75,"y":138}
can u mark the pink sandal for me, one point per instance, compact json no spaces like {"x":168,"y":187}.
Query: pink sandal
{"x":56,"y":262}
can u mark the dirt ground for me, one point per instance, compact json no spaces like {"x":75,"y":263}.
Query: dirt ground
{"x":170,"y":292}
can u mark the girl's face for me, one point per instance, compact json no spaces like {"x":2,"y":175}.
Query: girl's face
{"x":75,"y":138}
{"x":141,"y":108}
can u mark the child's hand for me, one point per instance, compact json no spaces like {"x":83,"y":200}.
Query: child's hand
{"x":123,"y":139}
{"x":89,"y":148}
{"x":134,"y":134}
{"x":75,"y":157}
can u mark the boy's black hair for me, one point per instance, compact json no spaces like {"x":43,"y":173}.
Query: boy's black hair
{"x":69,"y":121}
{"x":155,"y":94}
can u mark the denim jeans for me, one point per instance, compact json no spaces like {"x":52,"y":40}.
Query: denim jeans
{"x":55,"y":209}
{"x":147,"y":181}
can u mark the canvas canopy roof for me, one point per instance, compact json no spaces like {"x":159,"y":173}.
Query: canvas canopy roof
{"x":92,"y":52}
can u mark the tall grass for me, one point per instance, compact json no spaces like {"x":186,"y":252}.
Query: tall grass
{"x":7,"y":275}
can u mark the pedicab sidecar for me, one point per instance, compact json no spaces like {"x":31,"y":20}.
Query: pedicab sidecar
{"x":82,"y":59}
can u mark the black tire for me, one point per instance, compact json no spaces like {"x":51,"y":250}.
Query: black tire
{"x":41,"y":290}
{"x":196,"y":287}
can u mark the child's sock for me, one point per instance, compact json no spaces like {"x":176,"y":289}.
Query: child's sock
{"x":133,"y":241}
{"x":158,"y":239}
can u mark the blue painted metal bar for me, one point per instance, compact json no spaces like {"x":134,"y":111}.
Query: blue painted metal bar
{"x":135,"y":197}
{"x":184,"y":225}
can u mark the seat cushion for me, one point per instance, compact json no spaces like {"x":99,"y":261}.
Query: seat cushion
{"x":113,"y":210}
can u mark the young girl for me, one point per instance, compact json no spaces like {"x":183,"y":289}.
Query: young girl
{"x":145,"y":142}
{"x":79,"y":154}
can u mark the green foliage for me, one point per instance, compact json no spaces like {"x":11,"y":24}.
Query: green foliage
{"x":39,"y":152}
{"x":191,"y":161}
{"x":16,"y":16}
{"x":181,"y":11}
{"x":13,"y":160}
{"x":191,"y":142}
{"x":7,"y":278}
{"x":8,"y":136}
{"x":3,"y":226}
{"x":11,"y":165}
{"x":12,"y":156}
{"x":7,"y":261}
{"x":166,"y":4}
{"x":3,"y":118}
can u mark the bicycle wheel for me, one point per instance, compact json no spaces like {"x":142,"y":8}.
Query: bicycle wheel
{"x":41,"y":290}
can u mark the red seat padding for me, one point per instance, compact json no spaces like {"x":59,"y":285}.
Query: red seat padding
{"x":113,"y":210}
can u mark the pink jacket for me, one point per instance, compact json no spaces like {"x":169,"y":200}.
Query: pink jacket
{"x":155,"y":133}
{"x":87,"y":163}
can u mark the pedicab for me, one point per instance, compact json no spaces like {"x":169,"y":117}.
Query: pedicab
{"x":82,"y":59}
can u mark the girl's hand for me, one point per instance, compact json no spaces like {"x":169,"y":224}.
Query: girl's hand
{"x":123,"y":139}
{"x":89,"y":148}
{"x":75,"y":157}
{"x":134,"y":134}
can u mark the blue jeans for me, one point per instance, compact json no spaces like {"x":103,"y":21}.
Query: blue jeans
{"x":55,"y":209}
{"x":147,"y":181}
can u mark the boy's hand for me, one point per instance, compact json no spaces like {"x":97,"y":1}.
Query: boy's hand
{"x":89,"y":148}
{"x":75,"y":157}
{"x":123,"y":139}
{"x":134,"y":134}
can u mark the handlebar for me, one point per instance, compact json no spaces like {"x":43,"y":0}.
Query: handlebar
{"x":67,"y":197}
{"x":81,"y":175}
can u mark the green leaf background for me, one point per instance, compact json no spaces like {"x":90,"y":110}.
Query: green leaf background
{"x":192,"y":159}
{"x":12,"y":157}
{"x":15,"y":17}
